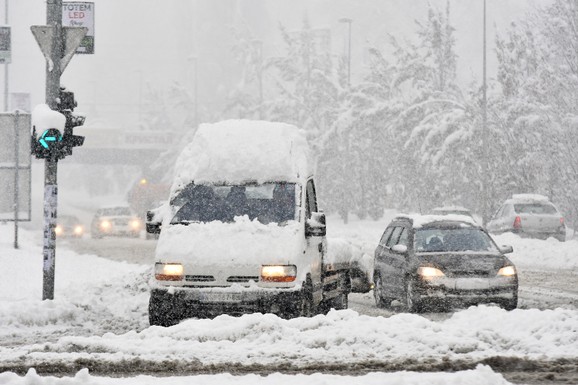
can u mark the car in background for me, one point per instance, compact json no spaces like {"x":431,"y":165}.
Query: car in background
{"x":529,"y":215}
{"x":430,"y":262}
{"x":117,"y":221}
{"x":68,"y":226}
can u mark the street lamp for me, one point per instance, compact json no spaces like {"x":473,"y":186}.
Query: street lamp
{"x":348,"y":21}
{"x":485,"y":167}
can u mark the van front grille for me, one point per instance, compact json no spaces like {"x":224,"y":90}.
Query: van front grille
{"x":242,"y":279}
{"x":199,"y":278}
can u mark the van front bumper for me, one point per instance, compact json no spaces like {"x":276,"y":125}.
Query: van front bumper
{"x":211,"y":301}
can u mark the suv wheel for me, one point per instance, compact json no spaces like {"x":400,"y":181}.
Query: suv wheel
{"x":380,"y":300}
{"x":413,"y":303}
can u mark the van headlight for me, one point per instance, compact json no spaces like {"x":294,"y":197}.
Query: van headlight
{"x":135,"y":224}
{"x":168,"y":271}
{"x":58,"y":230}
{"x":507,"y":271}
{"x":105,"y":225}
{"x":278,"y":273}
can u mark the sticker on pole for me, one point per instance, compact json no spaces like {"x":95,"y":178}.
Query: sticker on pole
{"x":80,"y":14}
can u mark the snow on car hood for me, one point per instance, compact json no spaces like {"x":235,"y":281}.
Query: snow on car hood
{"x":231,"y":243}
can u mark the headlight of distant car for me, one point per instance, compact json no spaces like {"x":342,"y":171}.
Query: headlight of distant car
{"x":429,"y":272}
{"x":58,"y":230}
{"x":78,"y":230}
{"x":135,"y":224}
{"x":168,"y":271}
{"x":278,"y":273}
{"x":104,"y":225}
{"x":507,"y":271}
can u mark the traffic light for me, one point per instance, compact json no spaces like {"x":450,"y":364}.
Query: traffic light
{"x":52,"y":144}
{"x":65,"y":105}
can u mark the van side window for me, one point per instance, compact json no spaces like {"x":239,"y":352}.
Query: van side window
{"x":394,"y":237}
{"x":403,"y":238}
{"x":311,"y":199}
{"x":385,"y":236}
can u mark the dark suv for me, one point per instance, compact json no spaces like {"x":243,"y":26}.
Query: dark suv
{"x":435,"y":262}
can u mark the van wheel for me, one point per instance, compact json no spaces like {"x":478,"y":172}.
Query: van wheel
{"x":161,"y":311}
{"x":301,"y":305}
{"x":413,"y":304}
{"x":380,"y":300}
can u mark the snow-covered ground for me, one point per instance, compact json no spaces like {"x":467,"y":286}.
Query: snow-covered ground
{"x":99,"y":319}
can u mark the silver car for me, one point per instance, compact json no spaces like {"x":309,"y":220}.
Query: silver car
{"x":529,"y":215}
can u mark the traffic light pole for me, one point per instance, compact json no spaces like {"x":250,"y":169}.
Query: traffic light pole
{"x":53,"y":72}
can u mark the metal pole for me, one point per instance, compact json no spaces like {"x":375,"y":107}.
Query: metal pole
{"x":196,"y":92}
{"x":53,"y":72}
{"x":6,"y":72}
{"x":348,"y":21}
{"x":349,"y":57}
{"x":16,"y":177}
{"x":484,"y":134}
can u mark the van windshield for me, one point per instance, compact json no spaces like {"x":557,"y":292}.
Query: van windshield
{"x":267,"y":203}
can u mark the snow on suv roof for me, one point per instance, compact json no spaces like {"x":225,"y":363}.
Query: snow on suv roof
{"x":520,"y":198}
{"x":241,"y":151}
{"x":419,"y":220}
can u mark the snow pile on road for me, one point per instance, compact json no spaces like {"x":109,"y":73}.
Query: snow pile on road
{"x":482,"y":375}
{"x":535,"y":254}
{"x":339,"y":338}
{"x":91,"y":293}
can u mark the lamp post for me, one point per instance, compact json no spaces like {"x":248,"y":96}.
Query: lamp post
{"x":6,"y":72}
{"x":348,"y":21}
{"x":484,"y":132}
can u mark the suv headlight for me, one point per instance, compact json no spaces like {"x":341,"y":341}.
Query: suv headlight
{"x":278,"y":273}
{"x":507,"y":271}
{"x":427,"y":272}
{"x":169,"y":271}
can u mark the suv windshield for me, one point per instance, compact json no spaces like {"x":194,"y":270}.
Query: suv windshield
{"x":268,"y":202}
{"x":534,"y":208}
{"x":452,"y":240}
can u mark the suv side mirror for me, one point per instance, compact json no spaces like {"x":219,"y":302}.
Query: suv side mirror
{"x":315,"y":226}
{"x":506,"y":249}
{"x":153,"y":225}
{"x":400,"y":249}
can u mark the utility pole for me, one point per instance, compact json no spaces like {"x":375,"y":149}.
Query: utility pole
{"x":484,"y":134}
{"x":53,"y":72}
{"x":58,"y":45}
{"x":348,"y":21}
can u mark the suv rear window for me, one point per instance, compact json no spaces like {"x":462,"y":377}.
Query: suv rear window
{"x":534,"y":208}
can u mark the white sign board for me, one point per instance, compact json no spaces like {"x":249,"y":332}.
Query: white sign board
{"x":15,"y":166}
{"x":80,"y":14}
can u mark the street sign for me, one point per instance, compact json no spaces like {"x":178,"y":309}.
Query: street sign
{"x":73,"y":37}
{"x":15,"y":167}
{"x":5,"y":45}
{"x":80,"y":14}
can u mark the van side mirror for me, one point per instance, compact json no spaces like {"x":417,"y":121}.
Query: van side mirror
{"x":400,"y":249}
{"x":315,"y":226}
{"x":153,"y":225}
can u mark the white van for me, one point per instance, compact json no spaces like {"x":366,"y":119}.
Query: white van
{"x":242,"y":231}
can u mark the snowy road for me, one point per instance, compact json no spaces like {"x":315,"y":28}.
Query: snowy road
{"x":539,"y":289}
{"x":99,"y":320}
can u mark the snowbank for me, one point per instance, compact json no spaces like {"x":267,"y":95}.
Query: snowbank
{"x":482,"y":375}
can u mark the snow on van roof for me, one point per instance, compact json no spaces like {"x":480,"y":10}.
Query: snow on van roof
{"x":528,"y":198}
{"x":240,"y":151}
{"x":419,"y":220}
